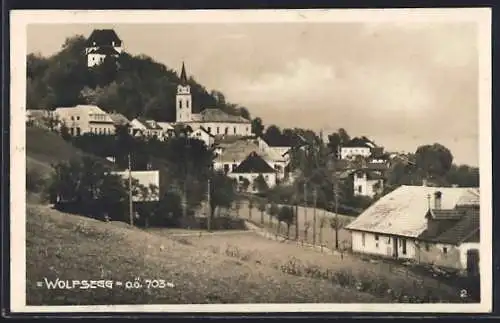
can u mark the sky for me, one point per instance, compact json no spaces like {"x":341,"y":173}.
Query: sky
{"x":401,"y":84}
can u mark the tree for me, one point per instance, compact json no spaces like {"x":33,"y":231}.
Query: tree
{"x":222,"y":192}
{"x":250,"y":207}
{"x":257,"y":127}
{"x":244,"y":184}
{"x":286,"y":215}
{"x":273,"y":212}
{"x":262,"y":208}
{"x":169,"y":210}
{"x":334,"y":225}
{"x":260,"y":184}
{"x":344,"y":137}
{"x":273,"y":135}
{"x":65,"y":132}
{"x":322,"y":223}
{"x":244,"y":113}
{"x":434,"y":160}
{"x":307,"y":225}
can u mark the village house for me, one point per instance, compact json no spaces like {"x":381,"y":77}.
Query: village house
{"x":357,"y":147}
{"x":102,"y":43}
{"x":119,"y":119}
{"x":367,"y":182}
{"x":140,"y":127}
{"x":214,"y":121}
{"x":203,"y":135}
{"x":407,"y":224}
{"x":250,"y":169}
{"x":231,"y":154}
{"x":82,"y":119}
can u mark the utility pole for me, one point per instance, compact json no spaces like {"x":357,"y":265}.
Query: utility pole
{"x":305,"y":200}
{"x":314,"y":217}
{"x":209,"y":209}
{"x":335,"y":191}
{"x":130,"y":203}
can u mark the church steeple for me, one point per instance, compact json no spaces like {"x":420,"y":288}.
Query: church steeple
{"x":183,"y":75}
{"x":183,"y":98}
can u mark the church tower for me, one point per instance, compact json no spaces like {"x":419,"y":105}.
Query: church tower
{"x":183,"y":99}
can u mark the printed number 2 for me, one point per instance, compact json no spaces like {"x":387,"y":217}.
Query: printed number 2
{"x":463,"y":293}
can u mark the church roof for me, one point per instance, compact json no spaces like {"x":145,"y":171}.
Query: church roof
{"x":183,"y":75}
{"x":217,"y":115}
{"x":103,"y":37}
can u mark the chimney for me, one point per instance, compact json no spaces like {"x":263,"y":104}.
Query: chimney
{"x":437,"y":200}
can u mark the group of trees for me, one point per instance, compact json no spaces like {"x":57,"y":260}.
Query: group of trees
{"x":185,"y":168}
{"x":131,"y":85}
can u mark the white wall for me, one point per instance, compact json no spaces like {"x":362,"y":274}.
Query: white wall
{"x":203,"y":136}
{"x":270,"y":179}
{"x":464,"y":247}
{"x":238,"y":129}
{"x":95,"y":59}
{"x":78,"y":117}
{"x":349,"y":152}
{"x":384,"y":247}
{"x":367,"y":186}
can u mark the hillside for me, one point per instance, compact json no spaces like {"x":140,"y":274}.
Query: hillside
{"x":44,"y":148}
{"x":70,"y":247}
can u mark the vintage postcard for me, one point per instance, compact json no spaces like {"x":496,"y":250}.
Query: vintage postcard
{"x":251,"y":161}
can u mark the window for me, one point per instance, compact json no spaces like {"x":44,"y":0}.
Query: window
{"x":234,"y":167}
{"x":359,"y":175}
{"x":78,"y":131}
{"x":241,"y":178}
{"x":427,"y":247}
{"x":445,"y":250}
{"x":388,"y":240}
{"x":218,"y":130}
{"x":226,"y":168}
{"x":72,"y":118}
{"x":248,"y":129}
{"x":234,"y":128}
{"x":226,"y":131}
{"x":78,"y":118}
{"x":403,"y":244}
{"x":209,"y":129}
{"x":376,"y":237}
{"x":360,"y":188}
{"x":180,"y":104}
{"x":72,"y":131}
{"x":363,"y":238}
{"x":266,"y":177}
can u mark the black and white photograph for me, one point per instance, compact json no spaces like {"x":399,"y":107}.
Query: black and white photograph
{"x":251,"y":161}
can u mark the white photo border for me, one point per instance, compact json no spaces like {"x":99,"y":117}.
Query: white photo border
{"x":19,"y":21}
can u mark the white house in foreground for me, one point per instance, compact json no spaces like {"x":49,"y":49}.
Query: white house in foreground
{"x":438,"y":225}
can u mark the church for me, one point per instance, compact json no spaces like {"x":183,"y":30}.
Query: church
{"x":214,"y":121}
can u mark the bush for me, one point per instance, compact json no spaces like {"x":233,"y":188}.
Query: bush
{"x":35,"y":181}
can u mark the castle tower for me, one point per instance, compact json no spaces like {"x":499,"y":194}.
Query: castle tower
{"x":183,"y":99}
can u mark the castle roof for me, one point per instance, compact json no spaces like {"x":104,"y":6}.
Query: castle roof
{"x":104,"y":50}
{"x":103,"y":37}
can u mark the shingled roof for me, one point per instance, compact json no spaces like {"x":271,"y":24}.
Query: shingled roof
{"x":217,"y":115}
{"x":103,"y":37}
{"x":254,"y":164}
{"x":403,"y":211}
{"x":465,"y":229}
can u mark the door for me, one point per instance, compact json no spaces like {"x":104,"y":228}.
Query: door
{"x":473,"y":262}
{"x":395,"y":247}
